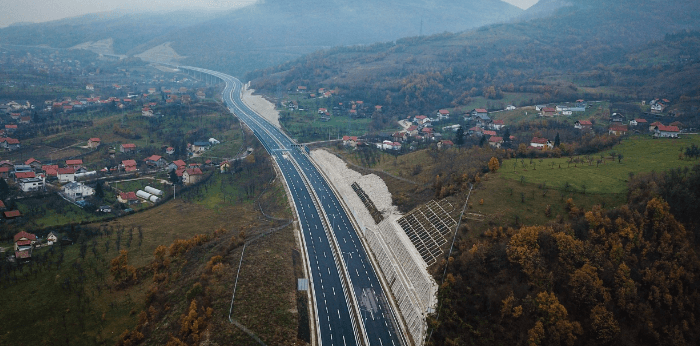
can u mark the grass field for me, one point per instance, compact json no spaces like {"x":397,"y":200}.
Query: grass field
{"x":641,"y":154}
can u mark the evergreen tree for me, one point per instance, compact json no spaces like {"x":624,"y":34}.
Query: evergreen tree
{"x":557,"y":141}
{"x":4,"y":188}
{"x":506,"y":136}
{"x":173,"y":177}
{"x":99,"y":192}
{"x":482,"y":141}
{"x":459,"y":139}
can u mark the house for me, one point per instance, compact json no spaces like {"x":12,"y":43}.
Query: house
{"x":350,"y":141}
{"x":583,"y":124}
{"x":4,"y":172}
{"x":445,"y":144}
{"x":477,"y":112}
{"x":617,"y":118}
{"x":127,"y":148}
{"x":483,"y":120}
{"x":129,"y":165}
{"x":538,"y":142}
{"x":495,"y":141}
{"x":662,"y":131}
{"x":617,"y":130}
{"x":638,"y":122}
{"x":419,"y":119}
{"x":156,"y":161}
{"x":200,"y":146}
{"x":498,"y":124}
{"x":146,"y":112}
{"x":443,"y":114}
{"x":31,"y":184}
{"x":475,"y":130}
{"x":510,"y":108}
{"x":53,"y":237}
{"x":412,"y":130}
{"x":34,"y":163}
{"x":192,"y":175}
{"x":127,"y":198}
{"x":23,"y":240}
{"x":12,"y":214}
{"x":322,"y":111}
{"x":548,"y":112}
{"x":177,"y":164}
{"x":170,"y":151}
{"x":580,"y":106}
{"x":653,"y":126}
{"x":489,"y":133}
{"x":9,"y":143}
{"x":90,"y":87}
{"x":77,"y":191}
{"x":10,"y":128}
{"x":25,"y":120}
{"x":93,"y":143}
{"x":65,"y":174}
{"x":75,"y":164}
{"x":301,"y":89}
{"x":50,"y":170}
{"x":658,"y":107}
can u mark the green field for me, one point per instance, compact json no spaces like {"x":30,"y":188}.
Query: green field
{"x":641,"y":154}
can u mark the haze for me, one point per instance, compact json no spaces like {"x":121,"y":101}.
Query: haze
{"x":34,"y":11}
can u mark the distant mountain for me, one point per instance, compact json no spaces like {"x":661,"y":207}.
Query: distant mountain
{"x":268,"y":32}
{"x":591,"y":42}
{"x":544,"y":8}
{"x":125,"y":30}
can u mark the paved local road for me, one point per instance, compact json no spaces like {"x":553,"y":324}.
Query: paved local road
{"x":333,"y":306}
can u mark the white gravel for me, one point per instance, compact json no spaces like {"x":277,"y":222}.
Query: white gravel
{"x":261,"y":106}
{"x":342,"y":178}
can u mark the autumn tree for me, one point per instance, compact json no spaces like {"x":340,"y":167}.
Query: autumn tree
{"x":494,"y":164}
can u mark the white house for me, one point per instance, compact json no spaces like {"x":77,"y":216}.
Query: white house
{"x":510,"y":108}
{"x":77,"y":191}
{"x":66,"y":174}
{"x":31,"y":184}
{"x":666,"y":131}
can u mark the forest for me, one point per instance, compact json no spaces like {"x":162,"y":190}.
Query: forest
{"x":625,"y":276}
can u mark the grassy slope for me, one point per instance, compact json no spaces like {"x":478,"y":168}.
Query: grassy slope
{"x":640,"y":154}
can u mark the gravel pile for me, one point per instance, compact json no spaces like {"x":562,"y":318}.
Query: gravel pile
{"x":262,"y":106}
{"x":342,"y":178}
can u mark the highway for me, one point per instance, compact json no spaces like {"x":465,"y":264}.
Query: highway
{"x":331,"y":255}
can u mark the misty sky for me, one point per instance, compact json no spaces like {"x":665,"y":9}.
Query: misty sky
{"x":14,"y":11}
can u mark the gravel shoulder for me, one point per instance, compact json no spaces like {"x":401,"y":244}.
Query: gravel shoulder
{"x":262,"y":106}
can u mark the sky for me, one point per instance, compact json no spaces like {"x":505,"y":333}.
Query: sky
{"x":18,"y":11}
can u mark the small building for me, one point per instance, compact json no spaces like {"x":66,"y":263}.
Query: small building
{"x":548,"y":112}
{"x":498,"y":124}
{"x":495,"y":141}
{"x":479,"y":112}
{"x":662,"y":131}
{"x":192,"y":175}
{"x":156,"y":161}
{"x":53,"y":237}
{"x":510,"y":108}
{"x":583,"y":124}
{"x":75,"y":164}
{"x":24,"y":241}
{"x":617,"y":130}
{"x":34,"y":163}
{"x":127,"y":198}
{"x":129,"y":165}
{"x":12,"y":214}
{"x":77,"y":191}
{"x":200,"y":146}
{"x":443,"y":114}
{"x":170,"y":151}
{"x":350,"y":141}
{"x":540,"y":143}
{"x":127,"y":148}
{"x":65,"y":175}
{"x":93,"y":142}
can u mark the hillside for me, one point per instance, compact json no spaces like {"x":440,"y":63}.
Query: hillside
{"x":124,"y":30}
{"x":588,"y":44}
{"x":266,"y":33}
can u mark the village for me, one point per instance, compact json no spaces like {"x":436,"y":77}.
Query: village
{"x":99,"y":144}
